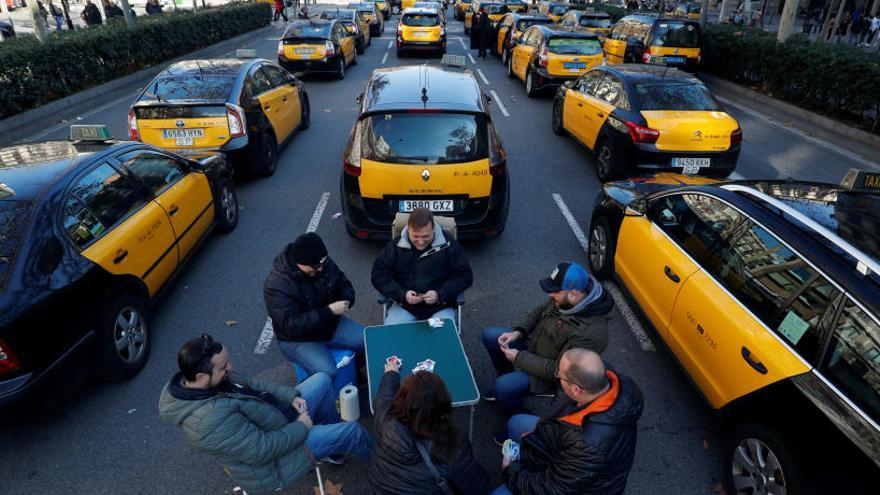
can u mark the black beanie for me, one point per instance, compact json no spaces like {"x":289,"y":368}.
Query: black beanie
{"x":308,"y":249}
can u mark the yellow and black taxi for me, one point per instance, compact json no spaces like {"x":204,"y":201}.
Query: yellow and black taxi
{"x":438,"y":6}
{"x":495,"y":11}
{"x":594,"y":22}
{"x":511,"y":27}
{"x":354,"y":23}
{"x":424,"y":137}
{"x":421,"y":30}
{"x":518,"y":6}
{"x":553,"y":10}
{"x":384,"y":8}
{"x":548,"y":55}
{"x":687,"y":10}
{"x":638,"y":118}
{"x":767,"y":293}
{"x":460,"y":8}
{"x":92,"y":231}
{"x":245,"y":107}
{"x":318,"y":47}
{"x":650,"y":39}
{"x":370,"y":12}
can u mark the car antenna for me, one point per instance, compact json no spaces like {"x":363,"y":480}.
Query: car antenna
{"x":156,"y":91}
{"x":425,"y":88}
{"x":201,"y":76}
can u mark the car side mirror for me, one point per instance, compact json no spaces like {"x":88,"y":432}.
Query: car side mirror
{"x":569,"y":84}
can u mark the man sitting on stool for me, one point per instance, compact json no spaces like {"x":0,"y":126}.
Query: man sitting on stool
{"x":422,"y":271}
{"x":306,"y":295}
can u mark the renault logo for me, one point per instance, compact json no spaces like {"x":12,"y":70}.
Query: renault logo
{"x":698,"y":135}
{"x":426,"y":175}
{"x":675,"y":51}
{"x":180,"y":123}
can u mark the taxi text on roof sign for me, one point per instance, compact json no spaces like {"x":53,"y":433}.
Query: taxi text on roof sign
{"x":90,"y":133}
{"x":861,"y":180}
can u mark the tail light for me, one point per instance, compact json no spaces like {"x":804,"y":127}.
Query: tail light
{"x":133,"y":132}
{"x":543,"y":58}
{"x":646,"y":57}
{"x":442,"y":31}
{"x":329,"y":49}
{"x":642,"y":134}
{"x":351,"y":161}
{"x":280,"y":48}
{"x":736,"y":137}
{"x":497,"y":157}
{"x":400,"y":29}
{"x":235,"y":118}
{"x":8,"y":361}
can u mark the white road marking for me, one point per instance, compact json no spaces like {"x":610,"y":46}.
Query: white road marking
{"x":57,"y":127}
{"x":498,"y":102}
{"x":268,"y":333}
{"x":622,"y":305}
{"x":482,"y":76}
{"x":384,"y":58}
{"x":463,"y":44}
{"x":472,"y":58}
{"x":813,"y":139}
{"x":390,"y":43}
{"x":736,"y":176}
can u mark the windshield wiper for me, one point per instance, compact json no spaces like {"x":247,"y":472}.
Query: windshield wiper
{"x":414,"y":158}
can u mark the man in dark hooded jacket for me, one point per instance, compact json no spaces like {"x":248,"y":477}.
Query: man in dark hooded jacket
{"x":588,"y":445}
{"x":306,"y":295}
{"x":526,"y":357}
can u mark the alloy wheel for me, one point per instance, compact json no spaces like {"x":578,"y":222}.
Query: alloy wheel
{"x":757,"y":470}
{"x":598,"y":247}
{"x":129,"y":334}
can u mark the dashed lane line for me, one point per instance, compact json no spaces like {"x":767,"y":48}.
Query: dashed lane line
{"x":483,"y":77}
{"x":463,"y":45}
{"x":390,"y":44}
{"x":472,"y":58}
{"x":500,"y":104}
{"x":736,"y":176}
{"x":268,"y":333}
{"x":622,"y":305}
{"x":384,"y":58}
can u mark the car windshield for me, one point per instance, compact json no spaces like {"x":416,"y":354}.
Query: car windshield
{"x":574,"y":46}
{"x":495,"y":8}
{"x":694,"y":97}
{"x":349,"y":26}
{"x":189,"y":87}
{"x":309,"y":31}
{"x":14,"y":216}
{"x":424,"y":138}
{"x":527,"y":23}
{"x":676,"y":34}
{"x":362,"y":7}
{"x":420,"y":20}
{"x":337,"y":14}
{"x":558,"y":9}
{"x":595,"y":22}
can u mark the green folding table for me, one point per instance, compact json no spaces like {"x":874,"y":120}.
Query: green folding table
{"x":417,"y":341}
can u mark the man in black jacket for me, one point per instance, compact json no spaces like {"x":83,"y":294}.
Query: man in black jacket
{"x":91,"y":15}
{"x":422,"y":271}
{"x":306,"y":295}
{"x":587,"y":445}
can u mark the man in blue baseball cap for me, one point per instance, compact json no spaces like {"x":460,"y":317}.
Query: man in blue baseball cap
{"x":527,"y":356}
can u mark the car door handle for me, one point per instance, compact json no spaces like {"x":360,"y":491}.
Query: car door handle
{"x":580,"y":104}
{"x":284,"y":99}
{"x":671,"y":274}
{"x":266,"y":107}
{"x":600,"y":114}
{"x":174,"y":209}
{"x":120,"y":255}
{"x":758,"y":365}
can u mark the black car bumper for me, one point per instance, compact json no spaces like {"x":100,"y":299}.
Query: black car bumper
{"x":475,"y":218}
{"x":317,"y":66}
{"x":547,"y":80}
{"x":645,"y":158}
{"x":421,"y":45}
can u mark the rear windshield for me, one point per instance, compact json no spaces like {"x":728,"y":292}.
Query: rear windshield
{"x":310,"y":31}
{"x":558,"y":9}
{"x":495,"y":8}
{"x":361,"y":7}
{"x":594,"y":22}
{"x":574,"y":46}
{"x":336,"y":14}
{"x":187,"y":112}
{"x":14,"y":216}
{"x":424,"y":137}
{"x":675,"y":97}
{"x":424,"y":20}
{"x":190,"y":87}
{"x":676,"y":34}
{"x":527,"y":23}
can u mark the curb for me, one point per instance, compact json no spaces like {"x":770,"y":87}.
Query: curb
{"x":825,"y":123}
{"x":55,"y":109}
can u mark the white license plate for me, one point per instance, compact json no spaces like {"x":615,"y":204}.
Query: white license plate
{"x":422,"y":34}
{"x":691,"y":165}
{"x":304,"y":51}
{"x":437,"y":205}
{"x":183,"y":133}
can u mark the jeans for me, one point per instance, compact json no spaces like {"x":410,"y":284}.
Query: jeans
{"x":510,"y":386}
{"x":331,"y":435}
{"x":315,"y":357}
{"x":517,"y":426}
{"x":58,"y":22}
{"x":397,"y":315}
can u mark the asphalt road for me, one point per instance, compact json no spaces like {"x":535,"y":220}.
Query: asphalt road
{"x":107,"y":438}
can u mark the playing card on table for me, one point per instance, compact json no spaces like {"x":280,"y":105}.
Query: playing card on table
{"x":394,"y":360}
{"x":435,"y":322}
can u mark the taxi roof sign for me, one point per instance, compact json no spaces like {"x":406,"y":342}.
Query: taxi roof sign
{"x":454,"y":60}
{"x":861,"y":181}
{"x":80,"y":132}
{"x":245,"y":53}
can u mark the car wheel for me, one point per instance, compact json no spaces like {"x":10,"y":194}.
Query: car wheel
{"x":505,"y":54}
{"x":601,"y":247}
{"x":305,"y":112}
{"x":399,"y":53}
{"x":510,"y":73}
{"x":360,"y":48}
{"x":340,"y":69}
{"x":226,"y":207}
{"x":558,"y":126}
{"x":354,"y":58}
{"x":760,"y":461}
{"x":124,"y":337}
{"x":606,"y":161}
{"x":531,"y":90}
{"x":370,"y":41}
{"x":266,"y":159}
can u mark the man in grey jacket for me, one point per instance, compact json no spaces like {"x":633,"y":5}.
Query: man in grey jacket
{"x":265,"y":435}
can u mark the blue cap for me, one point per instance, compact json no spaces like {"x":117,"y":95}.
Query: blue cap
{"x":567,"y":276}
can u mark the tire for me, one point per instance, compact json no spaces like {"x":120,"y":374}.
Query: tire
{"x":399,"y":53}
{"x":505,"y":54}
{"x":225,"y":207}
{"x":467,"y":31}
{"x":124,"y":323}
{"x":264,"y":155}
{"x":370,"y":42}
{"x":601,"y":247}
{"x":359,"y":48}
{"x":779,"y":468}
{"x":531,"y":90}
{"x":558,"y":124}
{"x":305,"y":112}
{"x":354,"y":59}
{"x":340,"y":69}
{"x":607,"y":167}
{"x":510,"y":73}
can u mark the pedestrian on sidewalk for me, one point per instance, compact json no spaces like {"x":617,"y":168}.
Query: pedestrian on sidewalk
{"x":91,"y":15}
{"x":153,"y":7}
{"x":872,"y":30}
{"x":304,"y":11}
{"x":482,"y":31}
{"x":266,"y":436}
{"x":415,"y":436}
{"x":56,"y":14}
{"x":587,"y":445}
{"x":112,"y":10}
{"x":279,"y":11}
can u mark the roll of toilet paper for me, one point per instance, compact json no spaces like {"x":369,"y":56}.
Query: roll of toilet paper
{"x":349,"y":407}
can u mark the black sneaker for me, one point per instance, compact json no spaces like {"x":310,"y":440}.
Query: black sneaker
{"x":335,"y":459}
{"x":499,"y":437}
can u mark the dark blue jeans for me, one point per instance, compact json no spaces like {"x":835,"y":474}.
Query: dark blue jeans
{"x":511,"y":385}
{"x":315,"y":357}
